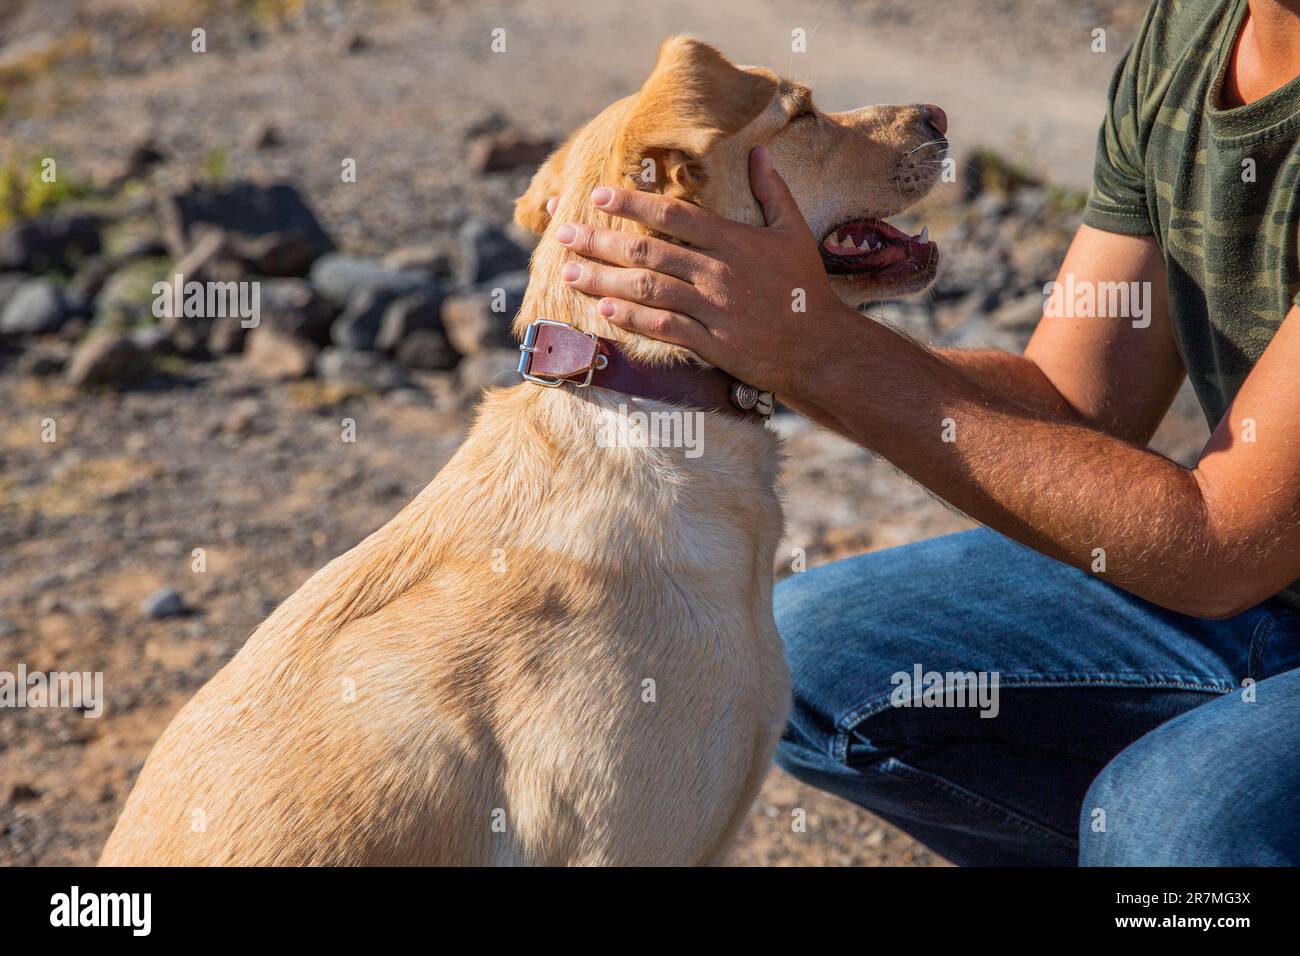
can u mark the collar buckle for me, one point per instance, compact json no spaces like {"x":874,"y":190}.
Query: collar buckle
{"x":528,"y":349}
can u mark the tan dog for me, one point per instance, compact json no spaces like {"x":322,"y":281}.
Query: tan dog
{"x":562,"y":652}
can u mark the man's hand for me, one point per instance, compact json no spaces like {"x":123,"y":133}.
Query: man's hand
{"x":730,"y":296}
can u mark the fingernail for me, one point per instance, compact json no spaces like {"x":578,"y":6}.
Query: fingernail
{"x":601,"y":195}
{"x":605,"y":308}
{"x":566,"y":233}
{"x":571,"y":272}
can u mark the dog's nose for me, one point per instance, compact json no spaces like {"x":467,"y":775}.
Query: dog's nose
{"x":936,"y":117}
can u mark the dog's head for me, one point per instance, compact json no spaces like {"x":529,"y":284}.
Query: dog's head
{"x":688,"y":132}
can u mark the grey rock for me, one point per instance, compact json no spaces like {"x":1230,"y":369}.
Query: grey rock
{"x":271,"y":229}
{"x":209,"y":258}
{"x":42,"y":362}
{"x":960,"y":270}
{"x":90,"y":278}
{"x":259,"y":134}
{"x":242,"y":418}
{"x":143,"y":247}
{"x":411,"y":313}
{"x":358,"y":327}
{"x":338,"y":278}
{"x":143,"y":156}
{"x":486,"y":251}
{"x":1030,"y":202}
{"x":227,"y":335}
{"x":410,"y":396}
{"x":350,"y":42}
{"x":361,"y":368}
{"x":9,"y":283}
{"x":493,"y":121}
{"x":480,"y":319}
{"x":278,"y":356}
{"x":507,"y":149}
{"x":163,"y":603}
{"x":427,"y":349}
{"x":429,"y":257}
{"x":37,"y":307}
{"x":22,"y":792}
{"x":495,"y":368}
{"x":74,"y":329}
{"x":106,"y":359}
{"x":55,"y":241}
{"x":292,"y":306}
{"x":124,"y":299}
{"x":992,"y":206}
{"x":1020,"y":313}
{"x":976,"y":334}
{"x":153,"y":339}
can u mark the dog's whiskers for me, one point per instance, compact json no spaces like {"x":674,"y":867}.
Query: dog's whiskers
{"x":933,"y":142}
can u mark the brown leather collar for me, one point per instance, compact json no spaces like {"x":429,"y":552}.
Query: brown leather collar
{"x":555,"y":353}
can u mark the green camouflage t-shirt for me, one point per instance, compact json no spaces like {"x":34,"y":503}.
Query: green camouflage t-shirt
{"x":1218,"y":188}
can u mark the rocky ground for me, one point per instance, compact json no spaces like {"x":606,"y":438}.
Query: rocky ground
{"x":198,"y":474}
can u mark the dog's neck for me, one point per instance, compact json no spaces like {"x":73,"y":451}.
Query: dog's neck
{"x":550,"y":297}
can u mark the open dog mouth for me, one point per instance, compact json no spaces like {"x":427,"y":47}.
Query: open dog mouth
{"x":874,"y":250}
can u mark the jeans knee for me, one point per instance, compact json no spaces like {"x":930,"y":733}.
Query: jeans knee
{"x":1102,"y":835}
{"x":1143,"y":811}
{"x":794,"y":602}
{"x":809,"y":641}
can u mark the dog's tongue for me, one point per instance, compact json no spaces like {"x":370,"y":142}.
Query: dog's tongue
{"x":871,"y":245}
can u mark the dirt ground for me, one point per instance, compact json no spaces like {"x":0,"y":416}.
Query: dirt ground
{"x":255,"y":474}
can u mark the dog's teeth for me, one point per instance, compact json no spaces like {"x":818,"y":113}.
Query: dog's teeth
{"x":925,"y":234}
{"x":864,"y":245}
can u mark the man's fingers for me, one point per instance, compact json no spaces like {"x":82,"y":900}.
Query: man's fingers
{"x":635,"y":285}
{"x":551,"y":204}
{"x":779,"y":208}
{"x":675,"y":218}
{"x":632,"y":249}
{"x":661,"y":324}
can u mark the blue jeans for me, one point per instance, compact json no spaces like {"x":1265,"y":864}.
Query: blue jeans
{"x":1121,"y":734}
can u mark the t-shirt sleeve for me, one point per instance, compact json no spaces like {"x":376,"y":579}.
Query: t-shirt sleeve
{"x":1117,"y":201}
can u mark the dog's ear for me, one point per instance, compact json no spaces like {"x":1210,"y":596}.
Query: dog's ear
{"x":693,"y":98}
{"x":530,"y":208}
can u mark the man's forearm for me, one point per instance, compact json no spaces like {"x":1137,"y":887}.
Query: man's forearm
{"x":1012,"y":458}
{"x":1002,"y":373}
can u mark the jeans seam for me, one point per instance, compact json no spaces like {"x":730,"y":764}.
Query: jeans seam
{"x":895,"y":766}
{"x":1258,"y":641}
{"x":845,"y":725}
